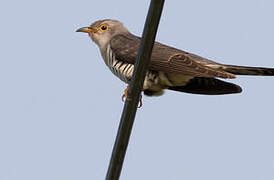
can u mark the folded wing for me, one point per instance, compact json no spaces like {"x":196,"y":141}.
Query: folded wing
{"x":166,"y":59}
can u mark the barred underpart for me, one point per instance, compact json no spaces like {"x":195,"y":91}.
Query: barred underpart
{"x":124,"y":70}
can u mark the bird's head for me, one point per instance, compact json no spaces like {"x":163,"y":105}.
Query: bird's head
{"x":102,"y":31}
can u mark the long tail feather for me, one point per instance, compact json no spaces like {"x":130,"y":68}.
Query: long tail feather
{"x":243,"y":70}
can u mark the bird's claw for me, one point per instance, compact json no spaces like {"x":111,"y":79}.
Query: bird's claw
{"x":125,"y":96}
{"x":140,"y":102}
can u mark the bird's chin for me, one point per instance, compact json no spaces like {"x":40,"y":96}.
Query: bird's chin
{"x":91,"y":37}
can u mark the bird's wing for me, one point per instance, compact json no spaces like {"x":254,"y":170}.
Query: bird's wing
{"x":166,"y":59}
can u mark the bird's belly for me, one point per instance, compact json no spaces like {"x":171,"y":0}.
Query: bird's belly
{"x":154,"y":81}
{"x":122,"y":70}
{"x":178,"y":79}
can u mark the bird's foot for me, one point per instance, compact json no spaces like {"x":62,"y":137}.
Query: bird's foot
{"x":140,"y":102}
{"x":125,"y":96}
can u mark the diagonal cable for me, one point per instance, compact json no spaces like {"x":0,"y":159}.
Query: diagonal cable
{"x":130,"y":107}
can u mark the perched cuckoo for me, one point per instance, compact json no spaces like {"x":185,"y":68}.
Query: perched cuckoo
{"x":169,"y":68}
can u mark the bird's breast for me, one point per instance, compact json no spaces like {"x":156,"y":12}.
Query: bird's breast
{"x":121,"y":69}
{"x":124,"y":70}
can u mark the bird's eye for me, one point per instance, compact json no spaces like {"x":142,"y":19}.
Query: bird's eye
{"x":103,"y":27}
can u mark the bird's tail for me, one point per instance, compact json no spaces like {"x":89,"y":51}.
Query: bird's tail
{"x":207,"y":86}
{"x":244,"y":70}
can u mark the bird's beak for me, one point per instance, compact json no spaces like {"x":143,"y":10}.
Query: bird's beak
{"x":85,"y":30}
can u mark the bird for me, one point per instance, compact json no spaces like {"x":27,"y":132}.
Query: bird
{"x":169,"y":68}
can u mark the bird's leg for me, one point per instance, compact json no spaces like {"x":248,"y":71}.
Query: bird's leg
{"x":125,"y":96}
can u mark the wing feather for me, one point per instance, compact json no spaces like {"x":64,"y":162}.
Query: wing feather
{"x":166,"y":59}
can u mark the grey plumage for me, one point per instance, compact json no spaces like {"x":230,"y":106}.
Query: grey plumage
{"x":169,"y":68}
{"x":164,"y":58}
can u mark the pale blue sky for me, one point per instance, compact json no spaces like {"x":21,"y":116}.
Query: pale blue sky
{"x":60,"y":106}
